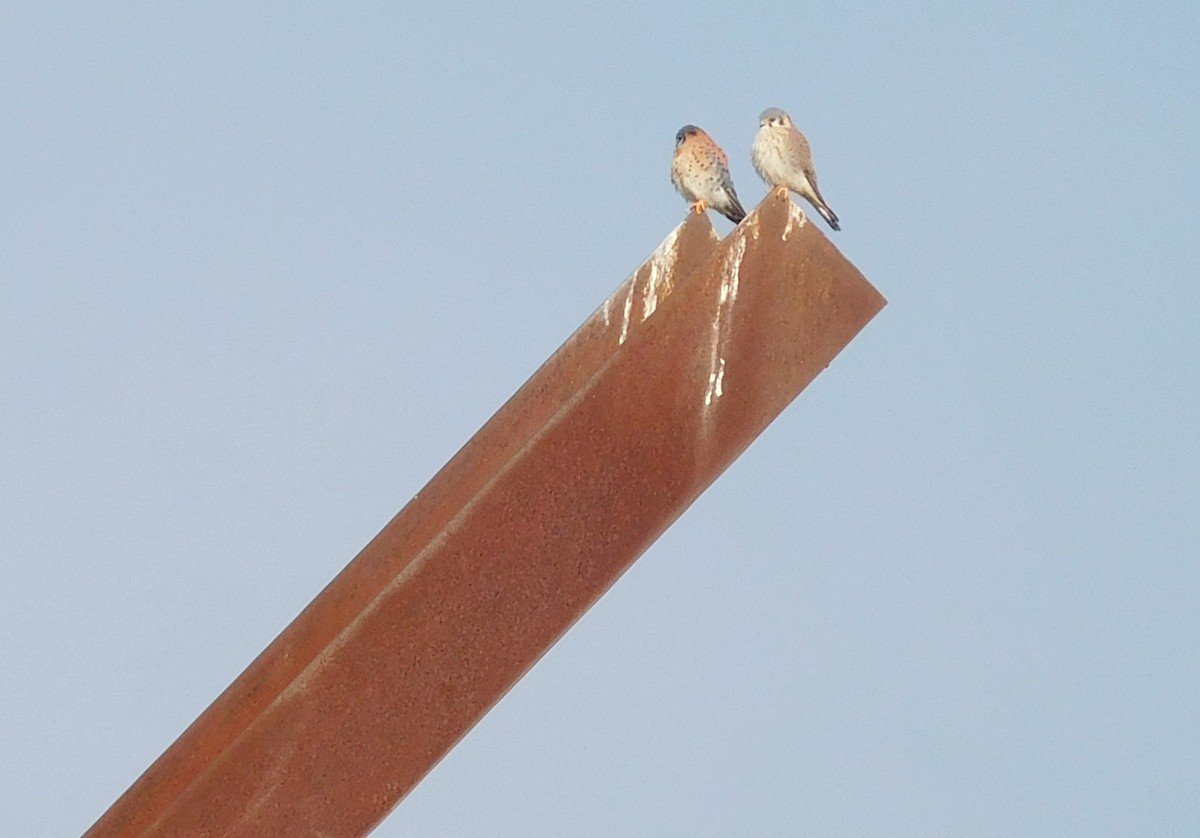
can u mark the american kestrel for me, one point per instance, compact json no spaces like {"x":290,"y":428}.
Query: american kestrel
{"x":783,"y":159}
{"x":700,"y":171}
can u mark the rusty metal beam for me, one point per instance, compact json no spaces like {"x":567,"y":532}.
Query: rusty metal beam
{"x":530,"y":523}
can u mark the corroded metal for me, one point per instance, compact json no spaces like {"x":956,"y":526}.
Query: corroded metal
{"x":531,"y":522}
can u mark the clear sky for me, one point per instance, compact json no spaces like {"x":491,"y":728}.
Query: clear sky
{"x":265,"y":267}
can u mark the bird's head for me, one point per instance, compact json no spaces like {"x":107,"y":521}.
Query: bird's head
{"x":686,"y":132}
{"x":774,"y":118}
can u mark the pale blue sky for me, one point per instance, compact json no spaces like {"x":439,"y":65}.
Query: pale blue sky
{"x":265,"y":267}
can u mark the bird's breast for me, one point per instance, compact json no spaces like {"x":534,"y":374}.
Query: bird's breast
{"x":768,"y":157}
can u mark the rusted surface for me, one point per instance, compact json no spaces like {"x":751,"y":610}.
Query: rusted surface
{"x":513,"y":539}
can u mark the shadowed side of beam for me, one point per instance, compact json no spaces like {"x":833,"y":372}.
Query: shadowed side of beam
{"x":513,"y":540}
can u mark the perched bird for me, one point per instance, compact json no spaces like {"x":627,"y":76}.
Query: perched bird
{"x":783,"y":159}
{"x":700,"y":171}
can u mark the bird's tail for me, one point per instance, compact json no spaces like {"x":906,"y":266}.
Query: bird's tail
{"x":733,"y":211}
{"x":817,"y":201}
{"x":828,"y":215}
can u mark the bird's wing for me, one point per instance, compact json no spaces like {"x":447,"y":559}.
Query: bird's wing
{"x":727,"y":181}
{"x":800,"y":154}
